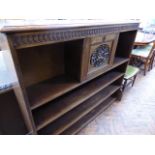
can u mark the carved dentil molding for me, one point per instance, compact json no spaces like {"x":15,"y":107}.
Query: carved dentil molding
{"x":29,"y":39}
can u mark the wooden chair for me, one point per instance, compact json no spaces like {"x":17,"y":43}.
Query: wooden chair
{"x":146,"y":55}
{"x":130,"y":76}
{"x":152,"y":60}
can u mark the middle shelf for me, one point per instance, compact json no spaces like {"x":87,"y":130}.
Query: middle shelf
{"x":43,"y":92}
{"x":58,"y":107}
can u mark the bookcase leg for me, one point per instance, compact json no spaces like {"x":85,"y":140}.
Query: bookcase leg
{"x":119,"y":95}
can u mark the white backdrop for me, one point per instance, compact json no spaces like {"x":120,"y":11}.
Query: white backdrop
{"x":77,"y":9}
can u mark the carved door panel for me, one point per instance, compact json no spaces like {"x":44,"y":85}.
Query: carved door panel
{"x":101,"y":53}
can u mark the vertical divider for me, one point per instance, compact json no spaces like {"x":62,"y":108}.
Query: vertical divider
{"x":18,"y":88}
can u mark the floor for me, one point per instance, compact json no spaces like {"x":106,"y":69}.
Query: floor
{"x":134,"y":115}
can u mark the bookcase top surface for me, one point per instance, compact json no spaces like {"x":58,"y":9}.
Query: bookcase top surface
{"x":8,"y":26}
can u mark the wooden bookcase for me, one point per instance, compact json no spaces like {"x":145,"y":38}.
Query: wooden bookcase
{"x":67,"y":74}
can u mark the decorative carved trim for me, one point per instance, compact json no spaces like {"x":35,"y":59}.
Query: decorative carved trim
{"x":100,"y":56}
{"x":29,"y":39}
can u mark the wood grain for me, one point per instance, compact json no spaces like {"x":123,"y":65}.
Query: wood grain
{"x":75,"y":128}
{"x":57,"y":108}
{"x":48,"y":90}
{"x":77,"y":113}
{"x":51,"y":64}
{"x":41,"y":63}
{"x":55,"y":35}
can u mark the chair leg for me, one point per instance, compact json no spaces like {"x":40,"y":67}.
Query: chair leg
{"x":134,"y":79}
{"x":119,"y":94}
{"x":149,"y":66}
{"x":124,"y":84}
{"x":152,"y":62}
{"x":145,"y":68}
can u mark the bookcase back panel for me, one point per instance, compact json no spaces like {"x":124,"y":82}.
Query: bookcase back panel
{"x":125,"y":43}
{"x":38,"y":64}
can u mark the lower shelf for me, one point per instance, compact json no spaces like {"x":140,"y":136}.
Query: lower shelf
{"x":74,"y":129}
{"x":67,"y":120}
{"x":52,"y":111}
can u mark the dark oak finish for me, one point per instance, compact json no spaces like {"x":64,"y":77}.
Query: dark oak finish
{"x":57,"y":90}
{"x":48,"y":90}
{"x":89,"y":117}
{"x":34,"y":35}
{"x":55,"y":109}
{"x":73,"y":116}
{"x":18,"y":88}
{"x":111,"y":41}
{"x":125,"y":44}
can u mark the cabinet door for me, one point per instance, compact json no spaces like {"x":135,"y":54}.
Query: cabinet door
{"x":101,"y":53}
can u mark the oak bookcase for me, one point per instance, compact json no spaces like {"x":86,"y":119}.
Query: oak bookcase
{"x":67,"y":74}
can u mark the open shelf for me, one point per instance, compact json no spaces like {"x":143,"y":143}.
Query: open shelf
{"x":43,"y":92}
{"x":75,"y":128}
{"x":125,"y":44}
{"x":74,"y":115}
{"x":50,"y":71}
{"x":117,"y":61}
{"x":53,"y":110}
{"x":48,"y":90}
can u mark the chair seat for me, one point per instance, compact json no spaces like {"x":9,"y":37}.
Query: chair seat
{"x":142,"y":52}
{"x":130,"y":72}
